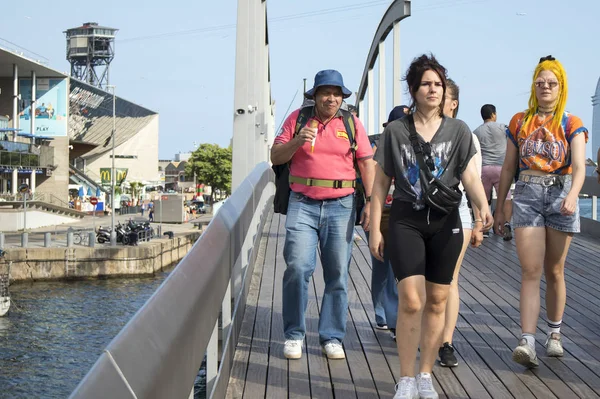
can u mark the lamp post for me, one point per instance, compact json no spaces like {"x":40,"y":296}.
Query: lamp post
{"x":113,"y":234}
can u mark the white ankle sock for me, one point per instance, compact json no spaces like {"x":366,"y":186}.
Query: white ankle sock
{"x":530,"y":338}
{"x":554,"y":327}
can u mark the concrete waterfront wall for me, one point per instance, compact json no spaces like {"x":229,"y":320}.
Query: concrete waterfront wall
{"x":38,"y":264}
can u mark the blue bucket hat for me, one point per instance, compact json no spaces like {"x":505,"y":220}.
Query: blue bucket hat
{"x":328,"y":77}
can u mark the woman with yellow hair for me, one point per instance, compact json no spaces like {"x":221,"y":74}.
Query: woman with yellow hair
{"x":547,"y":145}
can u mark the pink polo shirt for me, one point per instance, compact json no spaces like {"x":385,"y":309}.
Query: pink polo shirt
{"x":331,"y":159}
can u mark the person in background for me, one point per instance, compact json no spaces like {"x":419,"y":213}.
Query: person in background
{"x":151,"y":211}
{"x":447,"y":358}
{"x":545,"y":201}
{"x":384,"y":293}
{"x":492,"y":137}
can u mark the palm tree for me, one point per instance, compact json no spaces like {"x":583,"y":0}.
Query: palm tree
{"x":136,"y":188}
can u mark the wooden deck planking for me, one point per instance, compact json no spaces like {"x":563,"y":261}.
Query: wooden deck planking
{"x":277,"y":373}
{"x":487,"y":331}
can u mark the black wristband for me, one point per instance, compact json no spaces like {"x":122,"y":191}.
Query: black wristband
{"x":368,"y":198}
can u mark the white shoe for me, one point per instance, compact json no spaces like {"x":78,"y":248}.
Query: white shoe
{"x":525,"y":355}
{"x":406,"y":389}
{"x":334,"y":350}
{"x":293,"y":348}
{"x":554,"y":346}
{"x":425,"y":386}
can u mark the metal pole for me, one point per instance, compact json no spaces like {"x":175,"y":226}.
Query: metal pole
{"x":160,"y":225}
{"x":113,"y":234}
{"x":32,"y":105}
{"x":304,"y":85}
{"x":15,"y":100}
{"x":24,"y":212}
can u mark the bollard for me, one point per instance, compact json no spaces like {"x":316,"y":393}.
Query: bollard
{"x":2,"y":238}
{"x":69,"y":238}
{"x":24,"y":240}
{"x":92,"y":235}
{"x":47,"y":239}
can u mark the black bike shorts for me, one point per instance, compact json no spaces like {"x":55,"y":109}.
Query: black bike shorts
{"x":424,"y":242}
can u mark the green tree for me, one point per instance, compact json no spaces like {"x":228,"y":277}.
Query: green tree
{"x":212,"y":165}
{"x":136,"y":189}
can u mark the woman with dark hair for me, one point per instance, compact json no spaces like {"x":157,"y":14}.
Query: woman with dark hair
{"x":425,"y":241}
{"x":471,"y":234}
{"x":547,"y":144}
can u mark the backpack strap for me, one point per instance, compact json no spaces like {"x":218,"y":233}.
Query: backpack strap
{"x":305,"y":114}
{"x":350,"y":125}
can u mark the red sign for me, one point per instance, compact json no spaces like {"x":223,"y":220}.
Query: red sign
{"x":165,"y":197}
{"x":93,"y":200}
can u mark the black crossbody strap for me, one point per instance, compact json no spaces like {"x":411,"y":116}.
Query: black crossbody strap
{"x":417,"y":148}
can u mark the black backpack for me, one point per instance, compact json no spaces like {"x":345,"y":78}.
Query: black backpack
{"x":282,"y":172}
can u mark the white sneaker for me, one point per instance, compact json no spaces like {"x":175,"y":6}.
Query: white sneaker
{"x":334,"y":350}
{"x":525,"y":355}
{"x":406,"y":389}
{"x":554,"y":346}
{"x":293,"y":348}
{"x":425,"y":386}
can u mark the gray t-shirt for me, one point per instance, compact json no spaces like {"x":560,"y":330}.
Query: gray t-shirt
{"x":451,"y":147}
{"x":492,"y":137}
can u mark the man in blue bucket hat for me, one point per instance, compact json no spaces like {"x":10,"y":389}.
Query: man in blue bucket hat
{"x":321,"y":211}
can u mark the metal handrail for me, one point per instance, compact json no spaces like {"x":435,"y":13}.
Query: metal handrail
{"x":591,"y":188}
{"x":160,"y":350}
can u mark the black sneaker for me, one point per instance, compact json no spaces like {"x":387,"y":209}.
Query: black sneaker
{"x":486,"y":234}
{"x":447,"y":358}
{"x":393,"y":333}
{"x":507,"y":232}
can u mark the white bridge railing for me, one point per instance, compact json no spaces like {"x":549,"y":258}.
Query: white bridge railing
{"x":160,"y":350}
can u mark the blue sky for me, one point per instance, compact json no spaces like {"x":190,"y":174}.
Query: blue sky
{"x":489,"y":47}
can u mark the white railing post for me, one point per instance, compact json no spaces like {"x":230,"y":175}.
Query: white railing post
{"x":371,"y":103}
{"x":361,"y":110}
{"x":226,"y":313}
{"x":212,"y":359}
{"x":397,"y":86}
{"x":594,"y":207}
{"x":382,"y":92}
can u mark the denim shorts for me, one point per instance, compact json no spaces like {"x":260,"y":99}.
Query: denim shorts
{"x":537,"y":205}
{"x":465,"y":214}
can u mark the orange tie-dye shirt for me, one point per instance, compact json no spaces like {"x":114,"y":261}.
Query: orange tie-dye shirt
{"x":542,"y":146}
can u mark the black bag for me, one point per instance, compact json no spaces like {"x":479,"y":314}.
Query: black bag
{"x":282,"y":172}
{"x":282,"y":188}
{"x":436,"y":194}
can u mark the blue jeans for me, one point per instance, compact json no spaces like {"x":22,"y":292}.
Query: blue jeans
{"x":384,"y":292}
{"x":535,"y":205}
{"x":330,"y":223}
